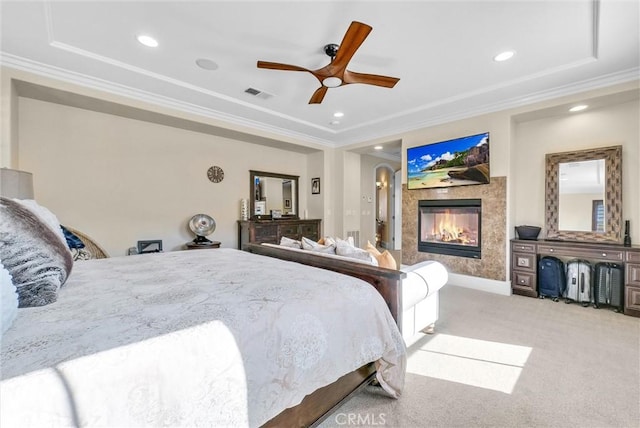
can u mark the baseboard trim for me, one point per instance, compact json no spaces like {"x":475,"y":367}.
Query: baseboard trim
{"x":482,"y":284}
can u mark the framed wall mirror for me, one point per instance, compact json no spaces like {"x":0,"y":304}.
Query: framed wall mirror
{"x":273,"y":195}
{"x":583,"y":195}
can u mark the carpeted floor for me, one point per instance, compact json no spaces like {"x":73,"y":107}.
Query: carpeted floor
{"x":498,"y":361}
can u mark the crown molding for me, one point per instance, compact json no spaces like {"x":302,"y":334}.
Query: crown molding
{"x":93,"y":83}
{"x":612,"y":79}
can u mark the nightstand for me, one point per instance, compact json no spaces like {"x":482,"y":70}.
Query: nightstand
{"x":193,"y":246}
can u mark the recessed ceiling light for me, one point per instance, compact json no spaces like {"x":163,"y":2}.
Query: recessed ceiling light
{"x":377,"y":148}
{"x":578,"y":108}
{"x":147,"y":41}
{"x":338,"y":114}
{"x":334,"y":122}
{"x":503,"y":56}
{"x":206,"y":64}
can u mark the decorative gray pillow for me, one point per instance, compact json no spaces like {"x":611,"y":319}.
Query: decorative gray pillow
{"x":36,"y":256}
{"x":288,"y":242}
{"x":311,"y":245}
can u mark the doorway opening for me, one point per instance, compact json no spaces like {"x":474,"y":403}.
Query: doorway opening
{"x":386,"y":207}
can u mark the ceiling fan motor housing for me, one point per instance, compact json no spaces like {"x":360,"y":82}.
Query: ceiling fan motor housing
{"x":331,"y":50}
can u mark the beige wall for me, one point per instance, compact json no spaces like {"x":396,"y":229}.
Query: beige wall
{"x":599,"y":127}
{"x":123,"y":180}
{"x":577,"y":210}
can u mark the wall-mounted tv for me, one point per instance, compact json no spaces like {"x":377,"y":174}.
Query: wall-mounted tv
{"x":459,"y":162}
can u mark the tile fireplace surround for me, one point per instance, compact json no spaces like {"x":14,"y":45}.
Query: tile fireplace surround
{"x":494,"y":238}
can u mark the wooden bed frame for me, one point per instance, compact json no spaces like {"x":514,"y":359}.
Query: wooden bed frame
{"x":318,"y":405}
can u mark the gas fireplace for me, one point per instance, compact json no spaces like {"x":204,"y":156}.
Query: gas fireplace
{"x":450,"y":226}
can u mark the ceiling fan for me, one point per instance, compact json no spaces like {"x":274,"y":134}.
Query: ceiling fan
{"x":335,"y":73}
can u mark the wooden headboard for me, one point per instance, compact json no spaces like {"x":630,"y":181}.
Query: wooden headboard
{"x":386,"y":281}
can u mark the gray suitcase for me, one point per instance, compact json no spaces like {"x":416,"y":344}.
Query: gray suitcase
{"x":578,"y":282}
{"x":608,"y":286}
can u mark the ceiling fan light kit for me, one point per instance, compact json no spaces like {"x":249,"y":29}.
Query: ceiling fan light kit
{"x":335,"y":74}
{"x":332,"y":82}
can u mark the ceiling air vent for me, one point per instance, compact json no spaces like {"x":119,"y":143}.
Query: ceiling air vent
{"x":258,"y":93}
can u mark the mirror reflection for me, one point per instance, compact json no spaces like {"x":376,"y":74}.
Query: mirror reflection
{"x":581,"y":196}
{"x":273,"y":195}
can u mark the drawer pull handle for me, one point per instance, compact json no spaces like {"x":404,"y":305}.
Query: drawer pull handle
{"x":551,"y":250}
{"x":522,"y":281}
{"x":604,"y":254}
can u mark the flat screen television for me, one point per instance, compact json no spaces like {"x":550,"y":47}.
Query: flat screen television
{"x":462,"y":161}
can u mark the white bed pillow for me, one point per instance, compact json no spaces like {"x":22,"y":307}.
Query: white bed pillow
{"x":8,"y":300}
{"x":347,"y":249}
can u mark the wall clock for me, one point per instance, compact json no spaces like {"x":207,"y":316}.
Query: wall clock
{"x":215,"y":174}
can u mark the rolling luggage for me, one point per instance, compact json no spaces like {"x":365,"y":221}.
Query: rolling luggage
{"x":608,"y":286}
{"x":578,"y":282}
{"x":551,"y":278}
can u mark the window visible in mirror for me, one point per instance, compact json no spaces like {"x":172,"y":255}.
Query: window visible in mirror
{"x":597,"y":214}
{"x":273,"y":192}
{"x":580,"y":185}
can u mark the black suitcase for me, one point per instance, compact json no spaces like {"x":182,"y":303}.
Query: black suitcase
{"x":579,"y":282}
{"x":608,"y":286}
{"x":551,"y":278}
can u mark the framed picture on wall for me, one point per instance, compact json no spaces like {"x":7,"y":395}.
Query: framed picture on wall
{"x":315,"y":186}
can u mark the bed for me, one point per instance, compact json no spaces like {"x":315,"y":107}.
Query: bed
{"x":197,"y":338}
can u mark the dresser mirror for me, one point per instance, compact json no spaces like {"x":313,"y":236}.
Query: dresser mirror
{"x":583,"y":195}
{"x":273,"y":194}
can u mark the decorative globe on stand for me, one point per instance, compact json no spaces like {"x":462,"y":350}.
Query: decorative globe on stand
{"x":202,"y":226}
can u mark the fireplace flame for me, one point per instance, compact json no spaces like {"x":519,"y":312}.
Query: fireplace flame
{"x":449,"y":231}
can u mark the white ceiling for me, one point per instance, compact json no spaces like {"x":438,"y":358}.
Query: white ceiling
{"x":441,"y":50}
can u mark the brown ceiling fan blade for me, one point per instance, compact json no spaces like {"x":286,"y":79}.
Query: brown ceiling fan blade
{"x":279,"y":66}
{"x":353,"y":38}
{"x":369,"y":79}
{"x":318,"y":95}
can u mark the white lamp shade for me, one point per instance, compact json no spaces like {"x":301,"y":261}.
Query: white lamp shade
{"x":16,"y":184}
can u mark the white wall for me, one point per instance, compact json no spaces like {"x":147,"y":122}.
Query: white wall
{"x":122,"y":180}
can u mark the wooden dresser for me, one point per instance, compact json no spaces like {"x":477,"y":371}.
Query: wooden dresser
{"x":271,"y":231}
{"x":525,"y":255}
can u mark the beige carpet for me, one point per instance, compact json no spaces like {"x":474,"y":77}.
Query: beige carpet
{"x":498,"y":361}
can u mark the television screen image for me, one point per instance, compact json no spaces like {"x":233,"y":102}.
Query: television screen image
{"x":459,"y":162}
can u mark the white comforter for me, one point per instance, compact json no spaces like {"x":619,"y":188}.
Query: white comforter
{"x":192,"y":338}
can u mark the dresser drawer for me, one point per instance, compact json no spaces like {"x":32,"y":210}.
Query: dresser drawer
{"x":523,"y":261}
{"x":309,"y":231}
{"x":523,"y":248}
{"x":633,"y":257}
{"x":632,"y":274}
{"x":523,"y":279}
{"x":265,"y":233}
{"x":631,"y":299}
{"x":290,"y":231}
{"x":582,"y":253}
